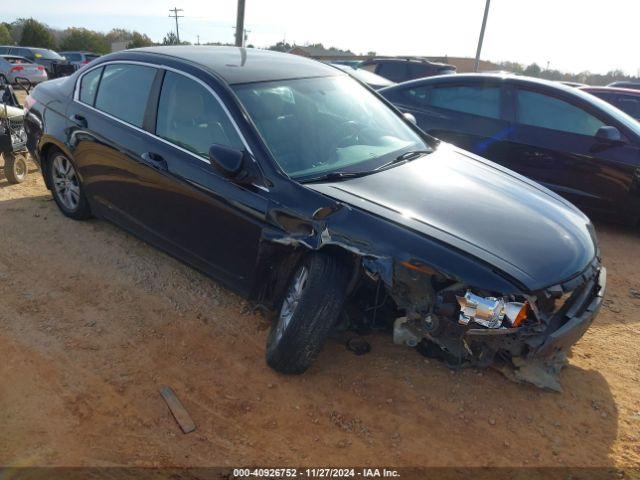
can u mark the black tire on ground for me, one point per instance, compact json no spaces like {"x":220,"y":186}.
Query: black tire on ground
{"x":15,"y":167}
{"x":293,"y":344}
{"x":81,"y":210}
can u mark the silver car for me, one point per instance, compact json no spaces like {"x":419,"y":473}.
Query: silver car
{"x":13,"y":67}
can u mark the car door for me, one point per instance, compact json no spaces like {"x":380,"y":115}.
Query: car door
{"x":469,"y":115}
{"x":553,"y":141}
{"x":201,"y":216}
{"x":107,"y":137}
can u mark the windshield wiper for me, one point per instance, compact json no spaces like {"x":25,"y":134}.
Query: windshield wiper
{"x":331,"y":176}
{"x":405,"y":157}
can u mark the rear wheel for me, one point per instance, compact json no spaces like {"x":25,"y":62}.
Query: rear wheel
{"x":15,"y":167}
{"x":310,"y":307}
{"x":67,"y":188}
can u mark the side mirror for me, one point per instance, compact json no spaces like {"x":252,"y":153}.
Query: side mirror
{"x":226,"y":160}
{"x":410,"y":117}
{"x":609,"y":135}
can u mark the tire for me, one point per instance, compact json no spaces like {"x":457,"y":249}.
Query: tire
{"x":66,"y":187}
{"x":320,"y":284}
{"x":15,"y":167}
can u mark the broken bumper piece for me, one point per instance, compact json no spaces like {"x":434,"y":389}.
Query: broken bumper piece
{"x":542,"y":366}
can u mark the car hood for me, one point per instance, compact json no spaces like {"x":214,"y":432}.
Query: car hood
{"x":478,"y":207}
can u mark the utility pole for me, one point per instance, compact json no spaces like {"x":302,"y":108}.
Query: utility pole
{"x":240,"y":34}
{"x":484,"y":24}
{"x":198,"y":39}
{"x":176,"y":16}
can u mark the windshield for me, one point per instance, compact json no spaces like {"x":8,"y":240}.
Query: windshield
{"x":317,"y":125}
{"x":45,"y":54}
{"x":624,"y":118}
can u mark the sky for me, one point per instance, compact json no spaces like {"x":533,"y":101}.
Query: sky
{"x":569,"y":35}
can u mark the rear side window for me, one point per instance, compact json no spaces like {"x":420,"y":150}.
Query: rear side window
{"x":23,"y":52}
{"x":4,"y":50}
{"x":417,"y":70}
{"x":395,"y":71}
{"x":191,"y":117}
{"x":124,"y":91}
{"x":476,"y":100}
{"x":89,"y":86}
{"x":543,"y":111}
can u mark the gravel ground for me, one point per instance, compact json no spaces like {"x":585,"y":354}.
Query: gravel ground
{"x":94,"y":322}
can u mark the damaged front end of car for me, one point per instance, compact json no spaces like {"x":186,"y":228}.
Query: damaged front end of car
{"x":490,"y":321}
{"x":526,"y":336}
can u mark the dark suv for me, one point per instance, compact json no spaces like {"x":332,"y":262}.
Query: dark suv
{"x":55,"y":64}
{"x":402,"y":69}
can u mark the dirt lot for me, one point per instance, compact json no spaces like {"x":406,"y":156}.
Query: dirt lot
{"x":94,"y":322}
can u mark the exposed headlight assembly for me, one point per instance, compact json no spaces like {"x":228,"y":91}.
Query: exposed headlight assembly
{"x":490,"y":312}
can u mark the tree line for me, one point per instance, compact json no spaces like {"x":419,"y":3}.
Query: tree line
{"x":32,"y":33}
{"x":535,"y":70}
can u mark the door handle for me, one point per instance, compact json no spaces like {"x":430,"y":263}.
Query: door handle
{"x":79,"y":120}
{"x":154,"y":160}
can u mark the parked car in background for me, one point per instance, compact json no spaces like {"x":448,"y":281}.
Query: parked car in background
{"x":574,"y":143}
{"x":295,"y":185}
{"x":625,"y":84}
{"x":80,"y":59}
{"x":626,"y":99}
{"x":13,"y":68}
{"x":54,"y":64}
{"x":365,"y":76}
{"x":403,"y":69}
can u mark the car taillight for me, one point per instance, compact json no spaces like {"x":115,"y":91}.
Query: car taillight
{"x":85,"y":62}
{"x":16,"y":69}
{"x":41,"y":68}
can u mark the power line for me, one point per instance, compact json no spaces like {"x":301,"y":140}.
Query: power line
{"x":176,"y":17}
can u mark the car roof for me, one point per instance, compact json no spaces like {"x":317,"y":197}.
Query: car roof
{"x":484,"y":77}
{"x":245,"y":65}
{"x":628,"y":91}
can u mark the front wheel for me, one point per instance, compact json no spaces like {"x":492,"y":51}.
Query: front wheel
{"x":66,"y":187}
{"x":311,"y":306}
{"x":15,"y":167}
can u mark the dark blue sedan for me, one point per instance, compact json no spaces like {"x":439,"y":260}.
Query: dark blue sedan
{"x":573,"y":143}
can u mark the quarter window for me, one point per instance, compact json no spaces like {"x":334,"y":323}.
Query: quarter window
{"x":552,"y":113}
{"x":481,"y":101}
{"x":89,"y":86}
{"x":124,"y":92}
{"x":190,"y":117}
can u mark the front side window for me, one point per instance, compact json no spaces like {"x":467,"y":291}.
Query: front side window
{"x":124,"y":91}
{"x":317,"y":125}
{"x":543,"y":111}
{"x":476,"y":100}
{"x":73,"y":57}
{"x":192,"y":118}
{"x":89,"y":86}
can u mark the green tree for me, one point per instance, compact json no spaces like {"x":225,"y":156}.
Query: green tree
{"x":139,"y":40}
{"x":533,"y":70}
{"x":83,"y":39}
{"x":170,"y":39}
{"x":5,"y":35}
{"x":36,"y":34}
{"x":281,"y":46}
